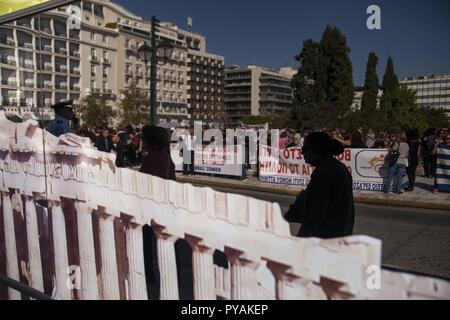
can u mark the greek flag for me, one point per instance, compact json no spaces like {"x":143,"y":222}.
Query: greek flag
{"x":443,"y":167}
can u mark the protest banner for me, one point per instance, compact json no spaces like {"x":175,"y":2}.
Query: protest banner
{"x":216,"y":160}
{"x":287,"y":166}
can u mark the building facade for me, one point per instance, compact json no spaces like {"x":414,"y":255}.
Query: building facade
{"x":357,"y":99}
{"x":255,"y":90}
{"x":43,"y":61}
{"x":432,"y":91}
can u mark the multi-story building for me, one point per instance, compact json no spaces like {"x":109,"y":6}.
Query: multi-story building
{"x":204,"y":77}
{"x":357,"y":99}
{"x":43,"y":60}
{"x":255,"y":90}
{"x":432,"y":91}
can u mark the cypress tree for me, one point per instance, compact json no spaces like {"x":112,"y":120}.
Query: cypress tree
{"x":369,"y":99}
{"x":307,"y":86}
{"x":390,"y":87}
{"x":338,"y":74}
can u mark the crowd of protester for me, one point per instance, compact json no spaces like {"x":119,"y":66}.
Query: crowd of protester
{"x":415,"y":151}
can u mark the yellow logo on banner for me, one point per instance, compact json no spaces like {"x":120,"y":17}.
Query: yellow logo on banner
{"x":376,"y":162}
{"x":9,"y":6}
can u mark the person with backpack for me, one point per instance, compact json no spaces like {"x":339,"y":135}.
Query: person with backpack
{"x":397,"y":160}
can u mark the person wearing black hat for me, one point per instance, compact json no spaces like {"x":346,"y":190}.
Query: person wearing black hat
{"x":61,"y":124}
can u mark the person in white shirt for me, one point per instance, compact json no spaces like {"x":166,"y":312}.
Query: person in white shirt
{"x":188,"y":159}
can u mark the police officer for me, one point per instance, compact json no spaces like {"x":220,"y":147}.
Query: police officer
{"x":61,"y":124}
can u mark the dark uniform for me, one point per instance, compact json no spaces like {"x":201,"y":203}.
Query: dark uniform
{"x":60,"y":125}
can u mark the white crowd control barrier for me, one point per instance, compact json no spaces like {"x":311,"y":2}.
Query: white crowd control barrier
{"x":88,"y":243}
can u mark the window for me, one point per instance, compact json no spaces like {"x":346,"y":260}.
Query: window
{"x":92,"y":84}
{"x":105,"y":39}
{"x":92,"y":36}
{"x":105,"y":54}
{"x":92,"y":70}
{"x":105,"y":85}
{"x":105,"y":72}
{"x":92,"y":52}
{"x":127,"y":43}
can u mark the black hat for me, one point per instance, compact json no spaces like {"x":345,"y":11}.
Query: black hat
{"x":63,"y":104}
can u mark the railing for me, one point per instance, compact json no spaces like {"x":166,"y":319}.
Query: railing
{"x":94,"y":223}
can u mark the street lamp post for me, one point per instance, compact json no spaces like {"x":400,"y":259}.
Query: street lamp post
{"x":151,"y":54}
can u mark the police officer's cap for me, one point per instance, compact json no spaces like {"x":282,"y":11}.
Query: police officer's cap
{"x":63,"y":104}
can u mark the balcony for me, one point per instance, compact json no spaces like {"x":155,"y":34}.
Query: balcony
{"x":10,"y":60}
{"x":46,"y":30}
{"x":48,"y":48}
{"x":75,"y":54}
{"x":75,"y":70}
{"x":129,"y":73}
{"x":63,"y":51}
{"x":12,"y":82}
{"x":8,"y":41}
{"x":29,"y":83}
{"x":106,"y":61}
{"x":93,"y":59}
{"x":48,"y":84}
{"x":48,"y":66}
{"x":28,"y":45}
{"x":28,"y":64}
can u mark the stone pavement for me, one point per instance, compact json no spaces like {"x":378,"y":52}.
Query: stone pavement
{"x":421,"y":197}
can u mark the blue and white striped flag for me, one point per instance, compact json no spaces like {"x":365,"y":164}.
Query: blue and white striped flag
{"x":443,"y":167}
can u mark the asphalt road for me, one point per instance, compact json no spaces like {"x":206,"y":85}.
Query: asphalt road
{"x":413,"y":239}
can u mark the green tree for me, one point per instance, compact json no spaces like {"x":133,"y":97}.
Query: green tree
{"x":405,"y":113}
{"x":435,"y":118}
{"x":308,"y":90}
{"x":369,"y":99}
{"x":134,"y":106}
{"x":390,"y":86}
{"x":323,"y":87}
{"x":339,"y":88}
{"x":95,"y":111}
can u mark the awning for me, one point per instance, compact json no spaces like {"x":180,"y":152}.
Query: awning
{"x":11,"y":10}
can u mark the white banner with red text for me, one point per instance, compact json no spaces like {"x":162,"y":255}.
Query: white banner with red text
{"x":220,"y":160}
{"x":288,"y":166}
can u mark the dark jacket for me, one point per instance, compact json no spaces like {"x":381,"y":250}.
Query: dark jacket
{"x":158,"y":163}
{"x":102,"y":146}
{"x":325,"y":209}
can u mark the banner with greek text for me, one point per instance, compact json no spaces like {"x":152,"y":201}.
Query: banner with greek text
{"x":288,"y":167}
{"x":225,"y":161}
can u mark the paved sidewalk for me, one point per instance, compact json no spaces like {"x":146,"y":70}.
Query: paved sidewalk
{"x":422,"y":197}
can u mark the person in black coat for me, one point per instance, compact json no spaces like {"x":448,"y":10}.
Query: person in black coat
{"x":157,"y":161}
{"x":413,"y":157}
{"x":104,"y":142}
{"x":325,"y":209}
